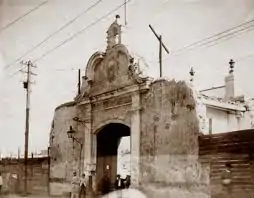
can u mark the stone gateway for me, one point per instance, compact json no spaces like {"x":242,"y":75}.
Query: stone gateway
{"x":115,"y":101}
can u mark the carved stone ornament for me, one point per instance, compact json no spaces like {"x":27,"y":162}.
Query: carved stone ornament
{"x":112,"y":65}
{"x":112,"y":69}
{"x":135,"y":72}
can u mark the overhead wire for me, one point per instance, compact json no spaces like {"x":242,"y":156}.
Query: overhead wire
{"x":57,"y":70}
{"x":221,"y":39}
{"x":202,"y":42}
{"x":193,"y":44}
{"x":38,"y":45}
{"x":15,"y":73}
{"x":79,"y":32}
{"x":232,"y":35}
{"x":55,"y":32}
{"x":23,"y":16}
{"x":214,"y":37}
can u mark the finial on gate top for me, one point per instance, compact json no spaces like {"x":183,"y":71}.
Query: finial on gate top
{"x":117,"y":16}
{"x":231,"y":66}
{"x":114,"y":33}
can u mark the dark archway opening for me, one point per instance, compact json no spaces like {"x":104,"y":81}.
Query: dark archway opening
{"x":108,"y":140}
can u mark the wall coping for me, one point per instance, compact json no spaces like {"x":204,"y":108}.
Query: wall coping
{"x":5,"y":161}
{"x":66,"y":104}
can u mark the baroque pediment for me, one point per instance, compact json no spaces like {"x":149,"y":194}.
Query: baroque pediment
{"x":112,"y":69}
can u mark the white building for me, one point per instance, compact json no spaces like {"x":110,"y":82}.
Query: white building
{"x":221,"y":110}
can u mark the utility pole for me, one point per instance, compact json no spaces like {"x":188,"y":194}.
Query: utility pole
{"x":79,"y":83}
{"x":26,"y":86}
{"x":161,"y":44}
{"x":160,"y":55}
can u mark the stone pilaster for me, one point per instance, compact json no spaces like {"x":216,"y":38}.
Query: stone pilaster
{"x":135,"y":140}
{"x":88,"y":142}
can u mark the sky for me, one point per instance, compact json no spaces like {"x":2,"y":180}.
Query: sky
{"x":180,"y":22}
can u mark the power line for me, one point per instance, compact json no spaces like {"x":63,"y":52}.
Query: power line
{"x":245,"y":30}
{"x":79,"y":32}
{"x":215,"y":35}
{"x":202,"y":43}
{"x":15,"y":73}
{"x":234,"y":34}
{"x":56,"y":32}
{"x":241,"y":31}
{"x":224,"y":37}
{"x":52,"y":69}
{"x":23,"y":16}
{"x":149,"y":61}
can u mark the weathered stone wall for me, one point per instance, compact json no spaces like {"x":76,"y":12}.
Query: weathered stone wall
{"x":63,"y":152}
{"x":169,"y":142}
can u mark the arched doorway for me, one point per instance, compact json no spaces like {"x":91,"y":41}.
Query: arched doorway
{"x":108,"y":140}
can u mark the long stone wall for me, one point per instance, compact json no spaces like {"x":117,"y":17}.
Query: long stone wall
{"x":13,"y":175}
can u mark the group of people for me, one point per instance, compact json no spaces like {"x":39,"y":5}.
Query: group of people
{"x":122,"y":183}
{"x":78,"y":186}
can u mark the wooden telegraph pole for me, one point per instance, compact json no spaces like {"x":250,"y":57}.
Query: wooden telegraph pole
{"x":79,"y":83}
{"x":161,"y":44}
{"x":26,"y":85}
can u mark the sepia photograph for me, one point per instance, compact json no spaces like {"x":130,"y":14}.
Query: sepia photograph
{"x":126,"y":98}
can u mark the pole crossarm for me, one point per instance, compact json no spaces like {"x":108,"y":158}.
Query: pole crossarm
{"x":158,"y":37}
{"x":160,"y":48}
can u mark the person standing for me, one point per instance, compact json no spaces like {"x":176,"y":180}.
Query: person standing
{"x":127,"y":181}
{"x":119,"y":186}
{"x":1,"y":183}
{"x":118,"y":183}
{"x":83,"y":186}
{"x":75,"y":186}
